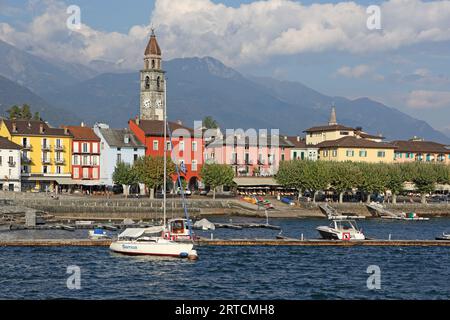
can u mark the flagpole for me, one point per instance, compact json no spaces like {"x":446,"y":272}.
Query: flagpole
{"x":165,"y":151}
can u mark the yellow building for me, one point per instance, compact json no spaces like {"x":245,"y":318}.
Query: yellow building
{"x":46,"y":154}
{"x":340,"y":143}
{"x":356,"y":149}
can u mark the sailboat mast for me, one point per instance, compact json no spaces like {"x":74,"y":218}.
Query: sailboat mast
{"x":165,"y":153}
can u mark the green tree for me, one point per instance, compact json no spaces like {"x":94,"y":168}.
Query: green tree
{"x":210,"y":123}
{"x":395,"y":180}
{"x":125,"y":175}
{"x":344,"y":176}
{"x":150,"y":171}
{"x":21,"y":113}
{"x":316,"y":177}
{"x":425,"y":178}
{"x":291,"y":175}
{"x":217,"y":175}
{"x":374,"y":179}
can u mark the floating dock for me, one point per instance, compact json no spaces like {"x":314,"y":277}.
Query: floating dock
{"x":238,"y":243}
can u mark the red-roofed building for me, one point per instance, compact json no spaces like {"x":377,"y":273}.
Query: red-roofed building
{"x":188,"y":147}
{"x":85,"y":155}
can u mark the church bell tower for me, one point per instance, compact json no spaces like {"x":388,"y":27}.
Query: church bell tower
{"x":152,"y":100}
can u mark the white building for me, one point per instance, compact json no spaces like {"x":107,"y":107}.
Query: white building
{"x":10,"y":165}
{"x":116,"y":145}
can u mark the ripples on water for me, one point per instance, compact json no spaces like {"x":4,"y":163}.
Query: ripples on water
{"x":240,"y":272}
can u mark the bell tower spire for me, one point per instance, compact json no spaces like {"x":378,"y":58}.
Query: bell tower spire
{"x":333,"y":120}
{"x":152,"y":82}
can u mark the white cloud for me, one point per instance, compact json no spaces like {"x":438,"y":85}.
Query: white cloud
{"x":427,"y":99}
{"x":354,"y":72}
{"x":247,"y":34}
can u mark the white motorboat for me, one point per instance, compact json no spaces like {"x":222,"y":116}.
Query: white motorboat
{"x":341,"y":229}
{"x":444,"y":237}
{"x":98,"y":234}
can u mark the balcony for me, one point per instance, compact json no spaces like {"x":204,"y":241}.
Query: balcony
{"x":27,"y":147}
{"x":46,"y":161}
{"x":46,"y":147}
{"x":60,"y":148}
{"x":26,"y":159}
{"x":60,"y":161}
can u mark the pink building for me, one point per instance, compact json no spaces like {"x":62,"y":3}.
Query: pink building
{"x":249,"y":156}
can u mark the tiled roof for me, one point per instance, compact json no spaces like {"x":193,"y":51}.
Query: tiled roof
{"x":116,"y":138}
{"x":353,"y":142}
{"x":252,"y":141}
{"x":152,"y":46}
{"x":33,"y":128}
{"x":156,"y":127}
{"x":420,"y":146}
{"x":6,"y":144}
{"x":297,"y":142}
{"x":329,"y":128}
{"x":83,"y":133}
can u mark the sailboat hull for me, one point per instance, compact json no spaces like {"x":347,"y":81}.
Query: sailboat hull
{"x":161,"y":249}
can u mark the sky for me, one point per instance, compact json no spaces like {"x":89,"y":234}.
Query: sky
{"x":324,"y":44}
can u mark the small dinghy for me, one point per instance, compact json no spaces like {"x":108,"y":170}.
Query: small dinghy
{"x":204,"y":225}
{"x":98,"y":234}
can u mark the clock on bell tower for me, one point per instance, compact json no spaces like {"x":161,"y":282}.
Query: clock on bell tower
{"x":152,"y":83}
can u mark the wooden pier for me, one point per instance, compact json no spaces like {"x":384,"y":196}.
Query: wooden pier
{"x":237,"y":243}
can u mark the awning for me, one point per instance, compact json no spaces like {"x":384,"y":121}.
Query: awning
{"x":137,"y":232}
{"x":255,"y":182}
{"x":88,"y":182}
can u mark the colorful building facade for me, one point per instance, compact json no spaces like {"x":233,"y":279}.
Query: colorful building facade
{"x":46,"y":153}
{"x":250,"y":155}
{"x":421,"y":151}
{"x":10,"y":165}
{"x":85,"y":155}
{"x":186,"y":147}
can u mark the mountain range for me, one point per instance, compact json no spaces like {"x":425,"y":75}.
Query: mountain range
{"x":67,"y":93}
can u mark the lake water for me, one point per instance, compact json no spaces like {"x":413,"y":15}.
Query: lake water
{"x":237,"y":272}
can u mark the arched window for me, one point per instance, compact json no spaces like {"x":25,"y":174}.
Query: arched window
{"x":146,"y":64}
{"x":158,"y":83}
{"x":153,"y":64}
{"x":147,"y":82}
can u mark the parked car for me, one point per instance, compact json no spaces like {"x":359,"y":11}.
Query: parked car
{"x":187,"y":192}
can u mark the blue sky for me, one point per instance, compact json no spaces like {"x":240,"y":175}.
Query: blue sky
{"x":405,"y":65}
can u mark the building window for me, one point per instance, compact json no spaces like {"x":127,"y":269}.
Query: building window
{"x":58,"y":170}
{"x":181,"y":145}
{"x":350,"y":153}
{"x":294,"y":155}
{"x":95,"y":147}
{"x":44,"y":169}
{"x":135,"y":157}
{"x":344,"y":133}
{"x":194,"y":165}
{"x":363,"y":153}
{"x":75,"y":160}
{"x":76,"y":173}
{"x":381,"y":154}
{"x":85,"y":160}
{"x":95,"y":160}
{"x":1,"y":160}
{"x":194,"y":146}
{"x":119,"y":158}
{"x":325,"y":153}
{"x":169,"y":146}
{"x":85,"y":148}
{"x":155,"y":145}
{"x":147,"y":82}
{"x":95,"y":173}
{"x":334,"y":154}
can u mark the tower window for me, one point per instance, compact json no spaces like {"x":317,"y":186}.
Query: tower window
{"x":153,"y":64}
{"x":147,"y":82}
{"x":158,"y":82}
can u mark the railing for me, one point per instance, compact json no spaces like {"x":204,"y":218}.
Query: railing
{"x":60,"y":161}
{"x":47,"y":161}
{"x":27,"y":146}
{"x":59,"y":148}
{"x":12,"y":164}
{"x":46,"y":147}
{"x":26,"y":159}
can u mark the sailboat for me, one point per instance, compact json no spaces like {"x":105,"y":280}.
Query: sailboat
{"x":172,"y":239}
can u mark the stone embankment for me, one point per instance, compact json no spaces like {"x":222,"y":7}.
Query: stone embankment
{"x":86,"y":207}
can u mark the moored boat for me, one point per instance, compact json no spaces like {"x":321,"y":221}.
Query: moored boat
{"x":341,"y":229}
{"x":444,"y":237}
